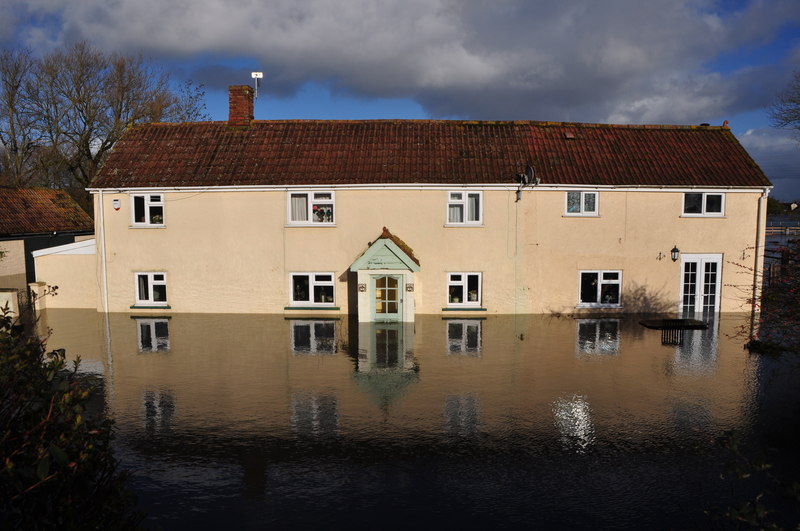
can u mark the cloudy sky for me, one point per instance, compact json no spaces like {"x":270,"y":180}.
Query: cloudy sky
{"x":619,"y":61}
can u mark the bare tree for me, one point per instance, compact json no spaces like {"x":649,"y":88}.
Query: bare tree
{"x":19,"y":136}
{"x":785,"y":112}
{"x":84,"y":101}
{"x":189,"y":104}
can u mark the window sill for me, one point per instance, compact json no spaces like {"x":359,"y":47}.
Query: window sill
{"x":151,"y":307}
{"x":580,"y":216}
{"x":463,"y":309}
{"x":319,"y":225}
{"x":146,"y":226}
{"x":465,"y":225}
{"x":307,"y":308}
{"x":712,"y":216}
{"x":598,"y":306}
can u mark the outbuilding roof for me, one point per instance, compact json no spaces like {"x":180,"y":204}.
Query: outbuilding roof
{"x":25,"y":211}
{"x":451,"y":152}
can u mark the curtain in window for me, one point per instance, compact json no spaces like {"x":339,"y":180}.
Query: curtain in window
{"x":299,"y":207}
{"x":473,"y":207}
{"x":144,"y":291}
{"x":455,"y":213}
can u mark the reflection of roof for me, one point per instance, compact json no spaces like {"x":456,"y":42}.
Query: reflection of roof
{"x":384,"y":386}
{"x":448,"y":152}
{"x":40,"y":211}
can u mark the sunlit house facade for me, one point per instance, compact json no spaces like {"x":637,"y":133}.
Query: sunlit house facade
{"x":387,"y":219}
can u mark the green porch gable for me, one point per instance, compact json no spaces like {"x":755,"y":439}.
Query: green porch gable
{"x":387,"y":252}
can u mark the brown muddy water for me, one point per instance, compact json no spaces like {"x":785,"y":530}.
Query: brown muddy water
{"x":534,"y":422}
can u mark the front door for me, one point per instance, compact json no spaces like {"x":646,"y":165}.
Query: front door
{"x":700,"y":281}
{"x":387,"y":298}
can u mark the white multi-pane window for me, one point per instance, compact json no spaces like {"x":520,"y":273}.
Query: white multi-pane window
{"x":600,"y":288}
{"x":581,"y":203}
{"x":703,"y":204}
{"x":464,"y":208}
{"x":463,"y":289}
{"x":148,"y":210}
{"x":151,"y":289}
{"x":311,"y":208}
{"x":315,"y":289}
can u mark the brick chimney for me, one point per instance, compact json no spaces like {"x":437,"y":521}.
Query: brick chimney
{"x":240,"y":105}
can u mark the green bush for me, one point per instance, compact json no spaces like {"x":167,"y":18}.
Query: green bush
{"x":58,"y":468}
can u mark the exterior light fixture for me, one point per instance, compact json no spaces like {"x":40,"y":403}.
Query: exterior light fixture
{"x":674,"y":253}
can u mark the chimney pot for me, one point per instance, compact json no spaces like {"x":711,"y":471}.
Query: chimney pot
{"x":240,"y":105}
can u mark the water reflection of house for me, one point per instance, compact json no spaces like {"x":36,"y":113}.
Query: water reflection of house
{"x":597,"y":336}
{"x":464,"y":336}
{"x":388,"y":219}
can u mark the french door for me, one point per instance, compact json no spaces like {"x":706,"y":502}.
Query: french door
{"x":700,"y":283}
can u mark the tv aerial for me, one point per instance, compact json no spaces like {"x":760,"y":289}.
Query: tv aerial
{"x":256,"y":80}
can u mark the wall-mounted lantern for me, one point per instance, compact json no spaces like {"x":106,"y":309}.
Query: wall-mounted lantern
{"x":674,"y":253}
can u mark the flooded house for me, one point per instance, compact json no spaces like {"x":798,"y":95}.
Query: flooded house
{"x":388,"y":219}
{"x":33,"y":220}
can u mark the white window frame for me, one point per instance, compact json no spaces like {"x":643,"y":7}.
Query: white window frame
{"x":463,"y":282}
{"x":151,"y":282}
{"x":313,"y":282}
{"x":149,"y":202}
{"x":311,"y":201}
{"x":314,"y":343}
{"x":704,"y":213}
{"x":583,"y":212}
{"x":459,"y":345}
{"x":463,"y":202}
{"x":156,"y":345}
{"x":600,"y":282}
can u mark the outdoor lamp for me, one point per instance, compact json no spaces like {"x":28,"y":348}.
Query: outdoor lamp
{"x":674,"y":253}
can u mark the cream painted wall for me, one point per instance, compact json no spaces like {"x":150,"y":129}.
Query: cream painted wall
{"x":232,"y":251}
{"x":12,"y":264}
{"x":76,"y":277}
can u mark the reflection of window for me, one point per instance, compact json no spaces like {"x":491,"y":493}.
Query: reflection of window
{"x":461,"y":414}
{"x":148,"y":209}
{"x":581,"y":203}
{"x":153,"y":335}
{"x":311,"y":208}
{"x":159,"y":410}
{"x":151,"y":288}
{"x":464,"y":208}
{"x":598,"y":336}
{"x":464,"y":289}
{"x":703,"y":204}
{"x":315,"y":414}
{"x":312,"y":288}
{"x":464,"y":336}
{"x":600,"y":288}
{"x":313,"y":337}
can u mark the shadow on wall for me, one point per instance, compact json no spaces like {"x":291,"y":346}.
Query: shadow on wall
{"x":638,"y":299}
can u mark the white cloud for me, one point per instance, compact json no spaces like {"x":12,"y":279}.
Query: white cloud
{"x":583,"y":60}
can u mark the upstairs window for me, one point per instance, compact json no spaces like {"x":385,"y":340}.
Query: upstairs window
{"x":463,"y":289}
{"x":464,"y":208}
{"x":313,"y":289}
{"x":311,"y":208}
{"x":151,"y":289}
{"x":600,"y":288}
{"x":581,"y":203}
{"x":148,"y":210}
{"x":703,"y":204}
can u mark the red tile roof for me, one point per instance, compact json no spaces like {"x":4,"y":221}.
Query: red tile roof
{"x":323,"y":152}
{"x":40,"y":211}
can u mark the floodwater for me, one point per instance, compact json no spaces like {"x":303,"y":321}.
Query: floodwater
{"x":253,"y":421}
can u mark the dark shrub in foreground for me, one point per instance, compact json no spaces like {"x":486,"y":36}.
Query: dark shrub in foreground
{"x":57,"y":467}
